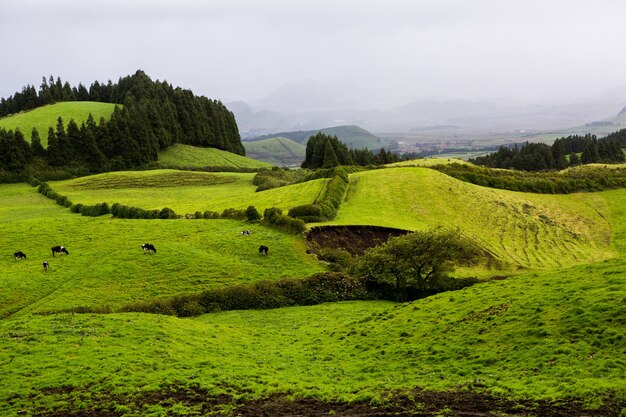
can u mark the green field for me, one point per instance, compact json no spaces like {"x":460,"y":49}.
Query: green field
{"x":277,"y":151}
{"x":186,"y":156}
{"x":106,"y":266}
{"x":45,"y":117}
{"x":184,"y":191}
{"x":552,"y":332}
{"x":522,"y":230}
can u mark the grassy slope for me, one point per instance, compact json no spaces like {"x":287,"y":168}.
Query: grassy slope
{"x":44,"y":117}
{"x":551,"y":334}
{"x":107,"y":267}
{"x":187,"y":156}
{"x":523,"y":229}
{"x":544,"y":337}
{"x":277,"y":151}
{"x":184,"y":192}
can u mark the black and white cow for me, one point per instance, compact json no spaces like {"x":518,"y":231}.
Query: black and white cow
{"x":19,"y":255}
{"x":148,"y":247}
{"x":60,"y":250}
{"x":246,"y":233}
{"x":263,"y":249}
{"x":45,"y":265}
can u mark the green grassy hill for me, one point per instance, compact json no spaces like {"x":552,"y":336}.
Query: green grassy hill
{"x":45,"y":117}
{"x":552,"y":335}
{"x":277,"y":151}
{"x":106,"y":266}
{"x":180,"y":156}
{"x":353,"y":136}
{"x":184,"y":191}
{"x":520,"y":229}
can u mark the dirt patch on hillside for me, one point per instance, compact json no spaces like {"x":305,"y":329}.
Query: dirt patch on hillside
{"x":354,"y":239}
{"x":417,"y":403}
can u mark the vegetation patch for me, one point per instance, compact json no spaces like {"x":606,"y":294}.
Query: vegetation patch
{"x":181,"y":156}
{"x":46,"y":117}
{"x":185,"y":192}
{"x":580,"y":179}
{"x":520,"y":230}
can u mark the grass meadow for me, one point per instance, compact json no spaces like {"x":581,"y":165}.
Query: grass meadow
{"x":555,"y":331}
{"x":106,"y":266}
{"x":522,"y":230}
{"x":185,"y":191}
{"x":45,"y":117}
{"x":180,"y":155}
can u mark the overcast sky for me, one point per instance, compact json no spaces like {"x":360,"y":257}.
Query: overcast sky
{"x":372,"y":50}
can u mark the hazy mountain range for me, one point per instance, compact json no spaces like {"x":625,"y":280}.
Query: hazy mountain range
{"x":309,"y":105}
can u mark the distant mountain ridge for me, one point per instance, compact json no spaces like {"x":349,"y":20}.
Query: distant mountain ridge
{"x":621,"y":117}
{"x":308,"y":105}
{"x":351,"y":135}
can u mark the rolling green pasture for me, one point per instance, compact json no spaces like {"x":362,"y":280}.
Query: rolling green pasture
{"x":106,"y":266}
{"x":185,"y":191}
{"x":521,"y":229}
{"x":180,"y":155}
{"x":44,"y":117}
{"x":540,"y":336}
{"x":553,"y":332}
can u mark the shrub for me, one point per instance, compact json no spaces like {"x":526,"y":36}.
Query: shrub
{"x":416,"y":264}
{"x":276,"y":177}
{"x":274,"y":217}
{"x":211,"y":215}
{"x":232,"y":213}
{"x":319,"y":288}
{"x":305,"y":210}
{"x":167,"y":213}
{"x":252,"y":214}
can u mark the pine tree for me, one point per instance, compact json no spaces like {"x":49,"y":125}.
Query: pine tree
{"x":35,"y":144}
{"x":330,"y":158}
{"x":558,"y":154}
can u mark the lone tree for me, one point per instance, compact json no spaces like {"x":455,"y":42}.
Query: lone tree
{"x":416,"y":264}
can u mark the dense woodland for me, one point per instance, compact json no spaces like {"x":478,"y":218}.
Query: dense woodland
{"x":153,"y":116}
{"x":324,"y":151}
{"x":563,"y":153}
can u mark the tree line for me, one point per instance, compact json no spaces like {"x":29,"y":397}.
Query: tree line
{"x":153,"y":116}
{"x":564,"y":152}
{"x":325,"y":151}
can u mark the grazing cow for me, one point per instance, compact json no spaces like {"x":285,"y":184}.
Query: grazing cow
{"x":19,"y":255}
{"x":148,"y":247}
{"x":60,"y":250}
{"x":263,"y":249}
{"x":45,"y":265}
{"x":246,"y":233}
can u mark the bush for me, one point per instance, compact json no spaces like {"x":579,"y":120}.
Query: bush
{"x":167,"y":213}
{"x":274,"y":217}
{"x":416,"y":264}
{"x":306,"y":210}
{"x":276,"y":177}
{"x":211,"y":214}
{"x":252,"y":214}
{"x":232,"y":213}
{"x":319,"y":288}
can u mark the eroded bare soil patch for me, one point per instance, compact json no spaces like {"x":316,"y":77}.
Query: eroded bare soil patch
{"x":353,"y":239}
{"x":420,"y":403}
